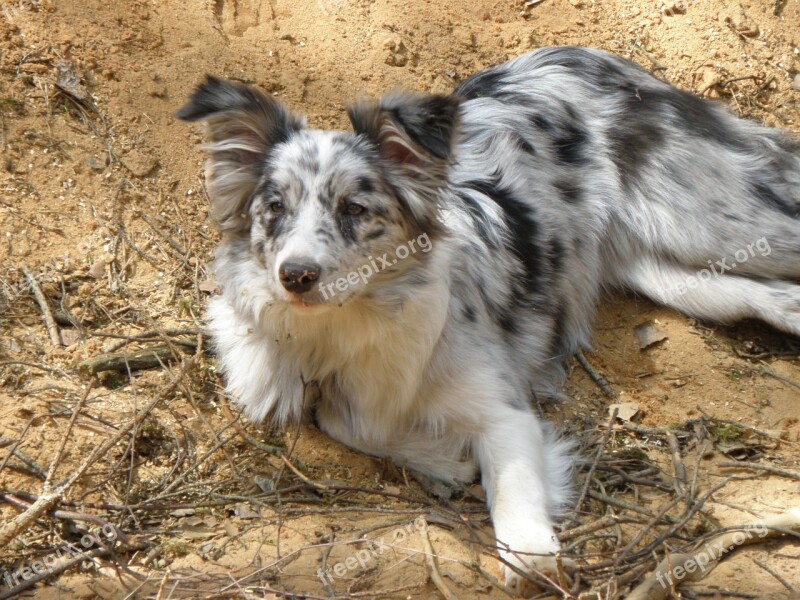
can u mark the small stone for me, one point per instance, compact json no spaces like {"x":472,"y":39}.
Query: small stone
{"x":673,"y":8}
{"x":98,"y":269}
{"x":70,"y":336}
{"x":707,"y":82}
{"x":796,"y":83}
{"x":93,"y":164}
{"x":742,"y":24}
{"x":139,"y":164}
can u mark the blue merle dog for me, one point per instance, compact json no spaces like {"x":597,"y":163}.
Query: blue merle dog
{"x":534,"y":187}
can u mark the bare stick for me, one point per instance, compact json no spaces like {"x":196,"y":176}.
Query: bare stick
{"x":125,"y":362}
{"x":601,"y":381}
{"x":744,"y":464}
{"x":777,"y":576}
{"x":432,"y":562}
{"x":682,"y":567}
{"x":680,"y":470}
{"x":41,"y":300}
{"x":51,"y":472}
{"x":600,"y":449}
{"x":51,"y":571}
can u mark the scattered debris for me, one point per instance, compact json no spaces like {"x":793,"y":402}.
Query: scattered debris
{"x":673,"y":8}
{"x":648,"y":334}
{"x":626,"y":411}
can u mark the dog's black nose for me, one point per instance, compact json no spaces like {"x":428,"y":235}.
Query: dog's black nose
{"x":298,"y":277}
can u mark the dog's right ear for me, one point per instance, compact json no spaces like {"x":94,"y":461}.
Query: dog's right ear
{"x":243,"y":125}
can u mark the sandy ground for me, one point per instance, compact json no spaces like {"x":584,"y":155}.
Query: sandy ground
{"x":102,"y":202}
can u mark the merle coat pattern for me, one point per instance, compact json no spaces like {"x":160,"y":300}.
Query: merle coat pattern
{"x":537,"y":185}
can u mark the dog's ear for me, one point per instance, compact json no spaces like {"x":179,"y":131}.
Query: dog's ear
{"x":243,"y":125}
{"x":415,"y":137}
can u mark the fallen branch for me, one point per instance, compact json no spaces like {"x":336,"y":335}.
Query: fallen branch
{"x":432,"y":562}
{"x":47,"y":316}
{"x":744,"y":464}
{"x":601,"y":381}
{"x":694,"y":566}
{"x":124,"y":362}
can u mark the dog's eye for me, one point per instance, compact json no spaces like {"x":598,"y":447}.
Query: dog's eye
{"x":354,"y":209}
{"x":277,"y":207}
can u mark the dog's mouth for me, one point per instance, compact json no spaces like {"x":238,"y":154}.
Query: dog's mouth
{"x":306,"y":303}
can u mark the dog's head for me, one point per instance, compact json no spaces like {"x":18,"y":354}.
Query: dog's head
{"x":324,"y":212}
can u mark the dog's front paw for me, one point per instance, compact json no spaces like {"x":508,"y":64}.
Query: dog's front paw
{"x":534,"y":557}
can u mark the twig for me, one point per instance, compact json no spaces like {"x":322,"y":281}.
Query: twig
{"x":597,"y":455}
{"x":673,"y":568}
{"x":152,"y":333}
{"x":325,"y":555}
{"x":56,"y":569}
{"x":432,"y":562}
{"x":14,"y":452}
{"x":226,"y":412}
{"x":296,"y":471}
{"x":124,"y":362}
{"x":175,"y":245}
{"x":601,"y":381}
{"x":777,"y":576}
{"x":744,"y":464}
{"x":767,"y":371}
{"x":679,"y":480}
{"x":41,"y":300}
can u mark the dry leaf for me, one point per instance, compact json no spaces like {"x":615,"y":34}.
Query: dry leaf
{"x":648,"y":334}
{"x":625,"y":410}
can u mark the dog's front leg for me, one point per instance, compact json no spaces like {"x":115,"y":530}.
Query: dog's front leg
{"x":514,"y":470}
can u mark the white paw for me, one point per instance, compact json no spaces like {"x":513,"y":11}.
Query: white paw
{"x":534,"y":556}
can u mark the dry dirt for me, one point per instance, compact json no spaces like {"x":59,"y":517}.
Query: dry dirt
{"x":103,"y":202}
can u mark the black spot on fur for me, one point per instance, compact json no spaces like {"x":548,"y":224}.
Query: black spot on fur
{"x":558,"y":341}
{"x":569,"y":190}
{"x":469,"y":313}
{"x":557,"y":254}
{"x":276,"y":225}
{"x":479,"y":219}
{"x":364,"y":186}
{"x":308,"y":163}
{"x":699,"y":117}
{"x":524,"y":229}
{"x":768,"y":196}
{"x":508,"y":323}
{"x":524,"y":145}
{"x":633,"y":142}
{"x":483,"y":84}
{"x":541,"y":122}
{"x":347,"y":227}
{"x":570,"y":143}
{"x":374,"y":235}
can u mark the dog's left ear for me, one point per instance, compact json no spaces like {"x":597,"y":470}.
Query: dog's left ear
{"x":409,"y":130}
{"x":415,"y":137}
